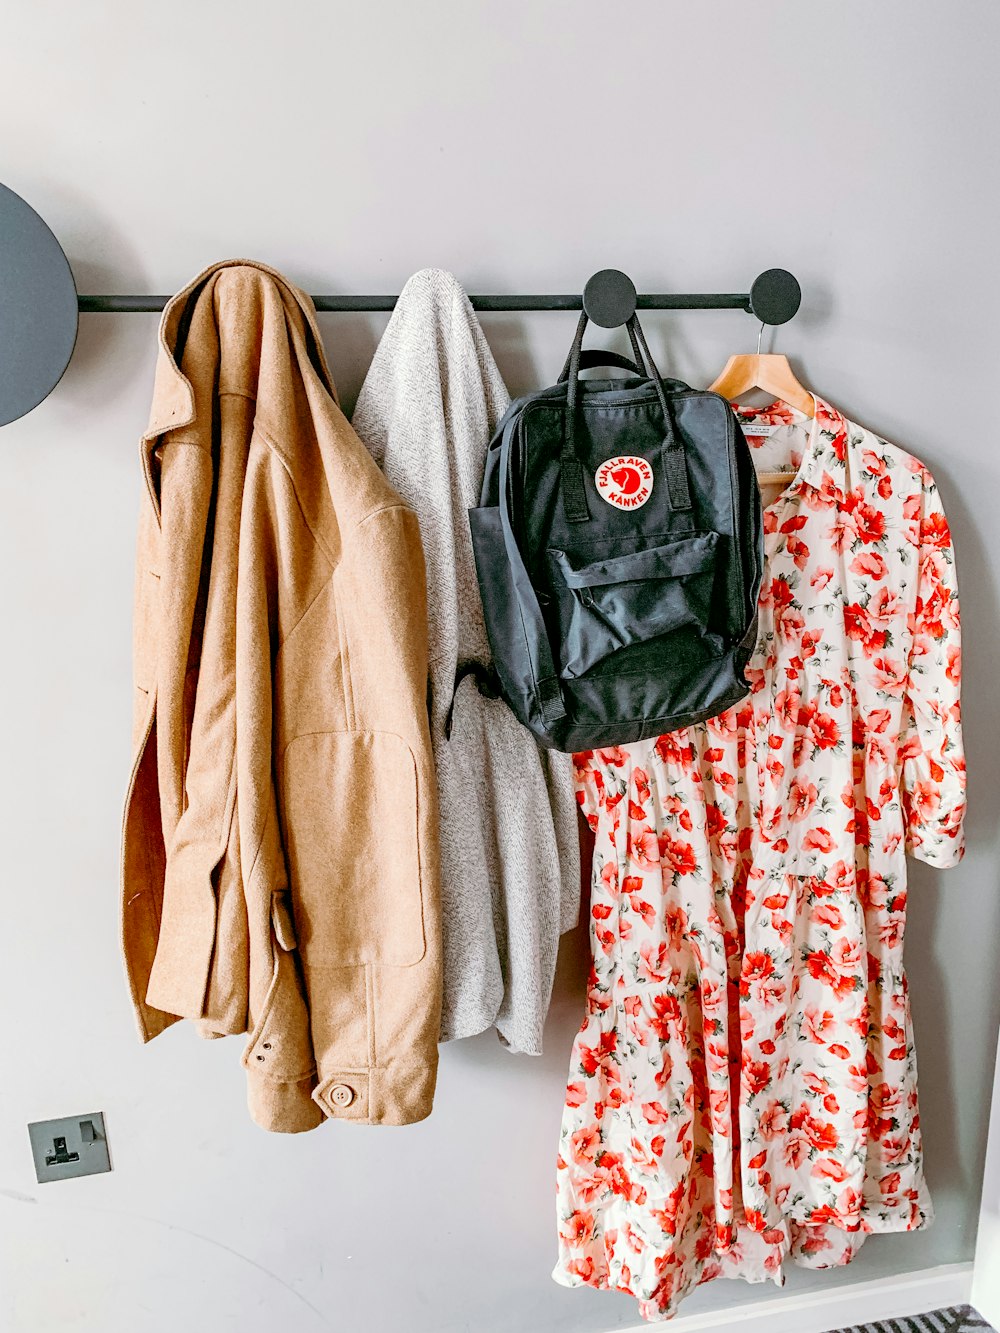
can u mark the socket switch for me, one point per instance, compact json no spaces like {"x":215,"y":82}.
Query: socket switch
{"x":75,"y":1146}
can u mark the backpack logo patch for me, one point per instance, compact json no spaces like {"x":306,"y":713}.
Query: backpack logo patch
{"x":626,"y":482}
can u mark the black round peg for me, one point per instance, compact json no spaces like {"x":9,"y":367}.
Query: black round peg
{"x":775,"y":296}
{"x":609,"y":298}
{"x":38,"y":308}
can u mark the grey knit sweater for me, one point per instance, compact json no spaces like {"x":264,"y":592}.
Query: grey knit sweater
{"x":510,"y":872}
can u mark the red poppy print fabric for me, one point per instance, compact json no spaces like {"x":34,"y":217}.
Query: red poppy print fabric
{"x":744,"y":1086}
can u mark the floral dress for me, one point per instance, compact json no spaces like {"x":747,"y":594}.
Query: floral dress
{"x":744,"y":1084}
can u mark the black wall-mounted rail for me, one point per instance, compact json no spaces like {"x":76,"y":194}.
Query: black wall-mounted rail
{"x":126,"y":305}
{"x":608,"y":299}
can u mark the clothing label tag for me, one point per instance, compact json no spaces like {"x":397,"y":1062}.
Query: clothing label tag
{"x":750,"y":429}
{"x":625,"y":482}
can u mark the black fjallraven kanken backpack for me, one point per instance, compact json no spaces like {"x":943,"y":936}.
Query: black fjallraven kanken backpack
{"x":619,"y":551}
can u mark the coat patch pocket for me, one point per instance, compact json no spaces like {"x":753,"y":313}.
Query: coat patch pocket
{"x":350,"y":820}
{"x":627,"y":597}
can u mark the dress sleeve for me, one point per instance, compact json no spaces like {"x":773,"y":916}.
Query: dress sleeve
{"x":933,"y":758}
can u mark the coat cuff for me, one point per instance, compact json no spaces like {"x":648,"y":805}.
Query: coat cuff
{"x":399,"y":1094}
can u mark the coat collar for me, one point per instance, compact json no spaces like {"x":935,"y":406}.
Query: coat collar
{"x":173,"y":403}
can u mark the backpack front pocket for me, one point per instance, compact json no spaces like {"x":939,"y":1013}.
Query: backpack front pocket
{"x":628,"y":598}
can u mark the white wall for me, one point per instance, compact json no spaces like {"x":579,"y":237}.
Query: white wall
{"x":523,"y":146}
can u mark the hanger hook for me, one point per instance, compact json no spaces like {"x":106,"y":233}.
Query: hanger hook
{"x":760,"y":334}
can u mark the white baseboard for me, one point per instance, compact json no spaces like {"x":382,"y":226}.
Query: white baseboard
{"x":820,"y":1311}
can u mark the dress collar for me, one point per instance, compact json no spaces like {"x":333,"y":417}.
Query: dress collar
{"x":825,"y":456}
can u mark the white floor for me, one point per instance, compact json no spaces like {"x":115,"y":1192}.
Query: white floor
{"x":818,"y":1312}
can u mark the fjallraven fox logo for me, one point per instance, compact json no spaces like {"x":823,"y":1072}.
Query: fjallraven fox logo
{"x":626,"y":482}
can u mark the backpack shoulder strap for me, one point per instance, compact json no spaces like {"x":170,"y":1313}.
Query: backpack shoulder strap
{"x":543,"y":668}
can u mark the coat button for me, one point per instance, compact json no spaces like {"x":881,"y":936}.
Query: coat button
{"x":342,"y":1095}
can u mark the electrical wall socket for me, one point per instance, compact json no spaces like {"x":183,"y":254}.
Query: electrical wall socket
{"x":76,"y":1146}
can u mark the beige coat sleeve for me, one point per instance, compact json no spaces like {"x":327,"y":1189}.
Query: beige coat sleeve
{"x":200,"y":970}
{"x":363,"y":841}
{"x":337,"y":814}
{"x":280,"y":571}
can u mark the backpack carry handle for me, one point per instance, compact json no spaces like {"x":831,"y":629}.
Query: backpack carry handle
{"x":589,"y":359}
{"x":592,"y":357}
{"x":675,"y":466}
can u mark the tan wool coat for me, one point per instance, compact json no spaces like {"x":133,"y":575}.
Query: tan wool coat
{"x":279,"y":851}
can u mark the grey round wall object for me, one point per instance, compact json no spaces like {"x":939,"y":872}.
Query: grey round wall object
{"x":609,"y":298}
{"x":38,"y":308}
{"x":775,"y":296}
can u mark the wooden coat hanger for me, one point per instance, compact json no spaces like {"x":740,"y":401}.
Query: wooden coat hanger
{"x":771,"y":372}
